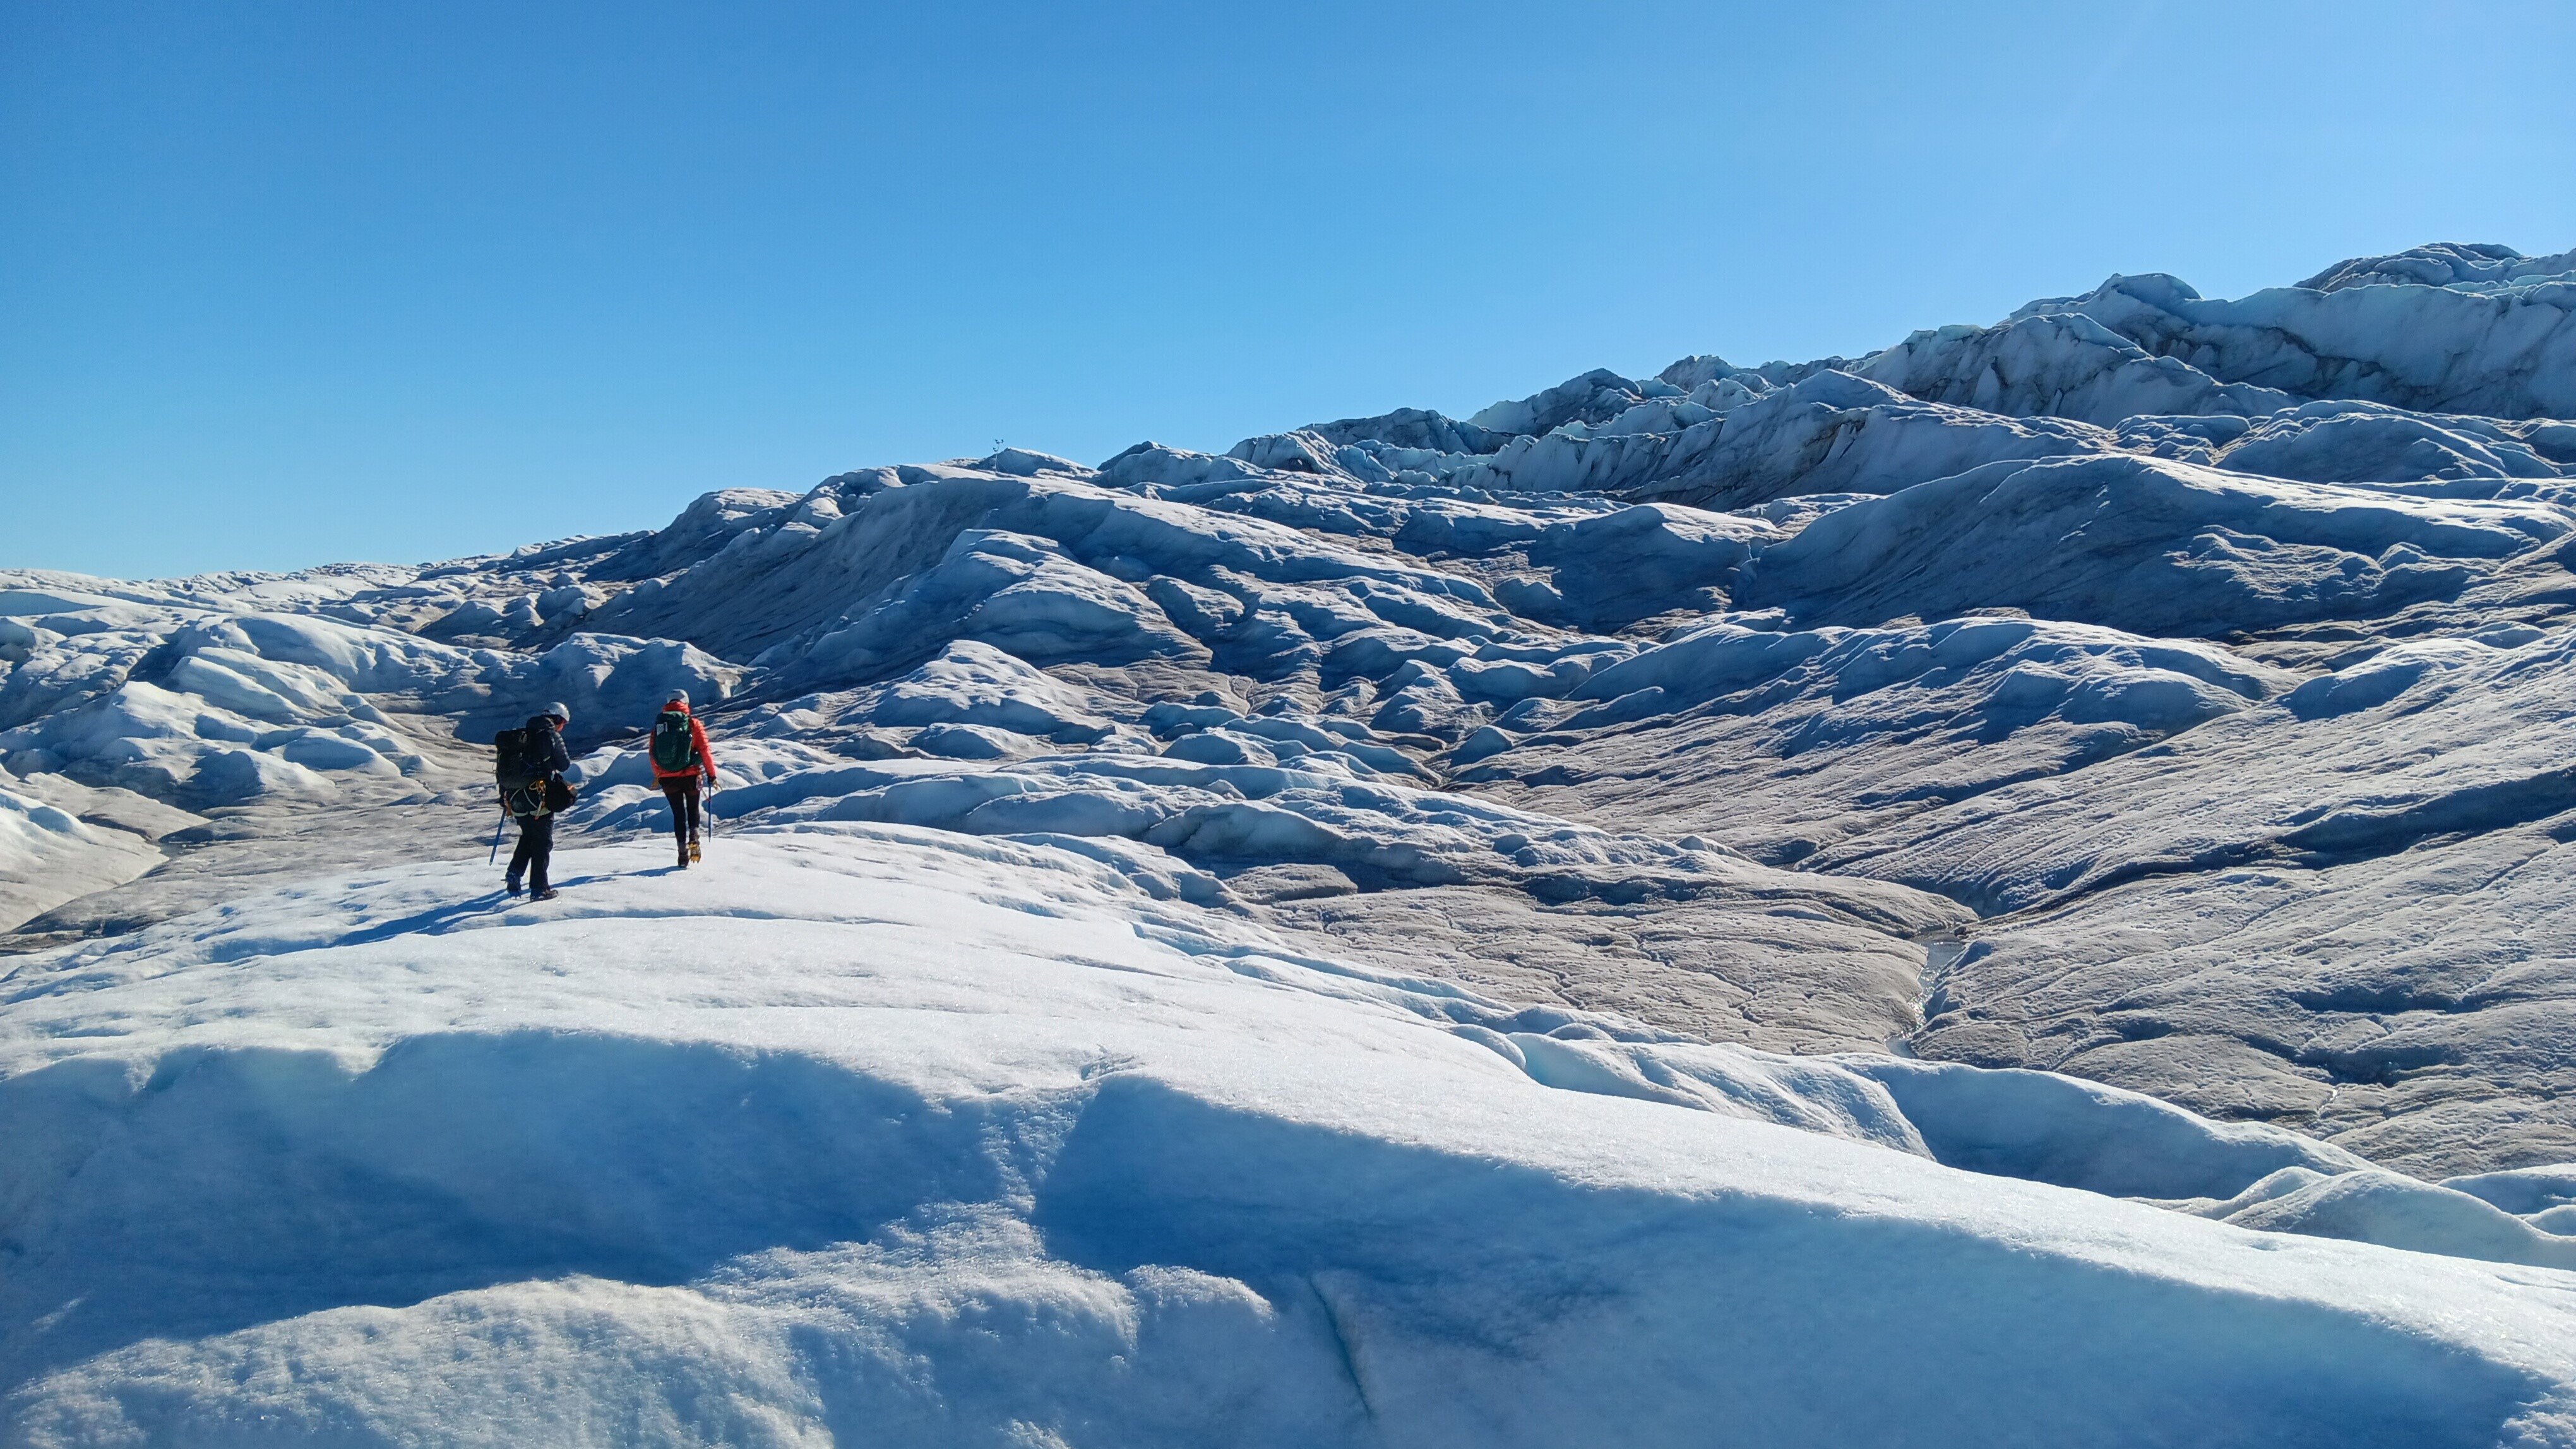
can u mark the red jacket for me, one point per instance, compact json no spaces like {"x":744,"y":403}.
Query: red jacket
{"x":697,"y":736}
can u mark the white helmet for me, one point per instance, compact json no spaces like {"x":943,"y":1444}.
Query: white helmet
{"x":677,"y":696}
{"x":561,"y":711}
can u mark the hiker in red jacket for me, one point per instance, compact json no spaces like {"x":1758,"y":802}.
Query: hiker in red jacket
{"x":680,"y":762}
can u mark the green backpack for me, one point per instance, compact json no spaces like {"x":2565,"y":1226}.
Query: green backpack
{"x":674,"y":751}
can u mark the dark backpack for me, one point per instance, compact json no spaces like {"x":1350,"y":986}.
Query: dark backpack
{"x":675,"y":750}
{"x":516,"y":764}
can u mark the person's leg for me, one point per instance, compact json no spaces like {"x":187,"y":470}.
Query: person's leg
{"x":692,"y":791}
{"x":519,"y":856}
{"x":677,"y":798}
{"x":541,"y":851}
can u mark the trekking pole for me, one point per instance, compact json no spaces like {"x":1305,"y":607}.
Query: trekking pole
{"x":497,"y":827}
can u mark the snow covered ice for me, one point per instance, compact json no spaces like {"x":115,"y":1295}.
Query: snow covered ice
{"x":2009,"y":890}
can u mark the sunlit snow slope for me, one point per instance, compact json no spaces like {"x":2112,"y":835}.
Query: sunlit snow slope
{"x":2009,"y":890}
{"x":893,"y":1135}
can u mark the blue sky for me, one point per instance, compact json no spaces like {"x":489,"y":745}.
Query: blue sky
{"x":288,"y":283}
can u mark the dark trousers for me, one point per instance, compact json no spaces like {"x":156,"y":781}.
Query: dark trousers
{"x":536,"y":849}
{"x":682,"y":792}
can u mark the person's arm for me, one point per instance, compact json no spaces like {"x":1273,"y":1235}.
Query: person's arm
{"x":562,"y":756}
{"x":706,"y":757}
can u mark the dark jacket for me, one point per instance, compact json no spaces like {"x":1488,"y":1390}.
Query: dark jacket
{"x":548,"y":744}
{"x":548,"y":747}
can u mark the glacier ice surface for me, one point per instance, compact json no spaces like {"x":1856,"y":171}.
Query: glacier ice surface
{"x":2010,"y":889}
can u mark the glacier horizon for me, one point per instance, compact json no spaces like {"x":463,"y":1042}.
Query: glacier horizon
{"x":2075,"y":809}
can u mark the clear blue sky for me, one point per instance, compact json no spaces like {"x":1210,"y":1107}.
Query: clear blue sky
{"x":284,"y":283}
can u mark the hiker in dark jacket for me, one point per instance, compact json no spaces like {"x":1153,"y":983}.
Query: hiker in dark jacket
{"x":533,"y":804}
{"x":681,"y":763}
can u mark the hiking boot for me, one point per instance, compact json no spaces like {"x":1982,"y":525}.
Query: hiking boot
{"x":549,"y":893}
{"x":693,"y":851}
{"x":513,"y":887}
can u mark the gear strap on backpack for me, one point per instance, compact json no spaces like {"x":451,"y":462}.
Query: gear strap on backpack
{"x":526,"y":776}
